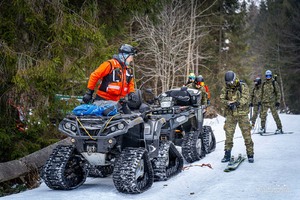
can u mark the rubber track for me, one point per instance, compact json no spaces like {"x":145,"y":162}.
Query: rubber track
{"x":209,"y":141}
{"x":64,"y":170}
{"x":189,"y":150}
{"x":168,"y":163}
{"x":124,"y":174}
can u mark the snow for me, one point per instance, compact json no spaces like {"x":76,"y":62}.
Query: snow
{"x":275,"y":174}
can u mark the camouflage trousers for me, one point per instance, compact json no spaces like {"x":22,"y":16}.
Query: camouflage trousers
{"x":255,"y":114}
{"x":229,"y":127}
{"x":263,"y":114}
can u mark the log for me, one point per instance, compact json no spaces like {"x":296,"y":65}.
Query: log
{"x":16,"y":168}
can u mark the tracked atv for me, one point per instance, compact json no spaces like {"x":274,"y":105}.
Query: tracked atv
{"x":182,"y":110}
{"x":126,"y":146}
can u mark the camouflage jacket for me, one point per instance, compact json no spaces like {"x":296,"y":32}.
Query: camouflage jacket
{"x":203,"y":93}
{"x":238,"y":94}
{"x":270,"y":91}
{"x":256,"y":95}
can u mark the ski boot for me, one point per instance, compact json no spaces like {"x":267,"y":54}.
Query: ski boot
{"x":279,"y":131}
{"x":250,"y":159}
{"x":226,"y":156}
{"x":252,"y":125}
{"x":262,"y":130}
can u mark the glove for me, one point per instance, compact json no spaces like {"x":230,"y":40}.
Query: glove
{"x":251,"y":105}
{"x":88,"y":96}
{"x":132,"y":96}
{"x":232,"y":106}
{"x":277,"y":104}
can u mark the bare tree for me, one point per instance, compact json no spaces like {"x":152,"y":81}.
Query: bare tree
{"x":170,"y":44}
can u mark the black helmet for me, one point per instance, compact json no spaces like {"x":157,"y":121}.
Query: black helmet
{"x":230,"y":77}
{"x":128,"y":49}
{"x":257,"y":81}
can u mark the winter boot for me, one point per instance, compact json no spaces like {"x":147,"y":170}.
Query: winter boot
{"x":279,"y":131}
{"x":250,"y":159}
{"x":226,"y":156}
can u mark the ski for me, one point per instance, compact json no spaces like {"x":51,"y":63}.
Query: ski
{"x":273,"y":133}
{"x":234,"y":163}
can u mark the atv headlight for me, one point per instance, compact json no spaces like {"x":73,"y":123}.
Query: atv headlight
{"x":68,"y":125}
{"x":73,"y":127}
{"x":166,"y":102}
{"x":113,"y":128}
{"x":121,"y":126}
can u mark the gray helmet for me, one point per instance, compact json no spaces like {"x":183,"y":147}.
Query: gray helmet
{"x":127,"y":49}
{"x":199,"y":79}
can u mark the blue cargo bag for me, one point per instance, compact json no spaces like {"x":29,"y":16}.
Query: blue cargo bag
{"x":108,"y":109}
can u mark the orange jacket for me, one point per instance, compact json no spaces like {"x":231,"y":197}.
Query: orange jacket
{"x":116,"y":81}
{"x":207,"y":91}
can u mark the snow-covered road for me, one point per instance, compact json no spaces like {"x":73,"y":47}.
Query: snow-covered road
{"x":275,"y":174}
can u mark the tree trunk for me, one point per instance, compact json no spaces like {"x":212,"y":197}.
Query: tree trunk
{"x":16,"y":168}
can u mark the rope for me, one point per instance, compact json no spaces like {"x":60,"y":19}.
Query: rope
{"x":202,"y":165}
{"x":85,"y":129}
{"x":110,"y":120}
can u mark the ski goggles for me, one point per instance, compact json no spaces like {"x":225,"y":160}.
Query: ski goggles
{"x":268,"y":76}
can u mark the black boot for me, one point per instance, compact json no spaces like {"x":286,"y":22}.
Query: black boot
{"x":226,"y":156}
{"x":250,"y":159}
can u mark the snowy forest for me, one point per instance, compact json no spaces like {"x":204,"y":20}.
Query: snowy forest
{"x":50,"y":47}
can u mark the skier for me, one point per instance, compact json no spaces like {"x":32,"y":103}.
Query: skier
{"x":191,"y":79}
{"x":255,"y":99}
{"x":270,"y":98}
{"x":235,"y":98}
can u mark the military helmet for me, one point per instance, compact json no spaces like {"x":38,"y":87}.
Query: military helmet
{"x":127,"y":49}
{"x":257,"y":81}
{"x":199,"y":79}
{"x":230,"y":77}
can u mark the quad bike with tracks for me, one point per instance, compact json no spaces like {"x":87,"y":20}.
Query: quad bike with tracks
{"x":129,"y":147}
{"x":182,"y":110}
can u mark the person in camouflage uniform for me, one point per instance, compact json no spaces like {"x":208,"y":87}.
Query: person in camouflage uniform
{"x":197,"y":85}
{"x":255,"y":100}
{"x":235,"y":99}
{"x":270,"y":98}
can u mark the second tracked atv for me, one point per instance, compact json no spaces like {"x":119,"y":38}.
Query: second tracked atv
{"x":182,"y":110}
{"x":126,"y":146}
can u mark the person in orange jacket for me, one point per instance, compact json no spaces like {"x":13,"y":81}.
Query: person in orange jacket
{"x":116,"y":77}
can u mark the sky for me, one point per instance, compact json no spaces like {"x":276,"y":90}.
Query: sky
{"x":275,"y":174}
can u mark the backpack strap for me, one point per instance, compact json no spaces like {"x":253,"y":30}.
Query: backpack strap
{"x":106,"y":79}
